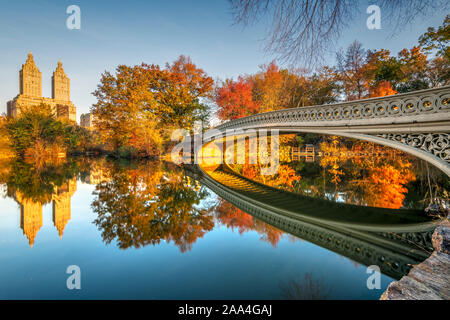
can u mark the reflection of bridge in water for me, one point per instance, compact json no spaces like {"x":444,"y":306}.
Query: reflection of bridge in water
{"x":392,"y":239}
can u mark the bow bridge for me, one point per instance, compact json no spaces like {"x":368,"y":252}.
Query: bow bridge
{"x":416,"y":122}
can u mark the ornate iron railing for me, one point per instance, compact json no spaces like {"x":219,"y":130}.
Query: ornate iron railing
{"x":418,"y":103}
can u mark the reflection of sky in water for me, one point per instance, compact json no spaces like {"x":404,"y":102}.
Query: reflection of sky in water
{"x":240,"y":258}
{"x":221,"y":264}
{"x":338,"y":197}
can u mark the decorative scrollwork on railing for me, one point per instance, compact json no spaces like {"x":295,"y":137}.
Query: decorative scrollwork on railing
{"x":434,"y":143}
{"x":419,"y":239}
{"x":414,"y":103}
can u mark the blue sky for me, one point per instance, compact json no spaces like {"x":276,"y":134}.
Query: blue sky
{"x":152,"y":31}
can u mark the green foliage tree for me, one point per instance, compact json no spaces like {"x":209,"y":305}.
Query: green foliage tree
{"x":437,"y":39}
{"x":37,"y":182}
{"x":5,"y":143}
{"x":37,"y":133}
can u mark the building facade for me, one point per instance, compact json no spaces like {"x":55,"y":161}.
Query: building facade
{"x":87,"y":121}
{"x":30,"y":92}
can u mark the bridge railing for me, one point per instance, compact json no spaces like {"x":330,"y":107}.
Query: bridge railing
{"x":417,"y":103}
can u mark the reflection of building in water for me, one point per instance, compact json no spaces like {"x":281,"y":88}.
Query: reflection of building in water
{"x":61,"y":204}
{"x":30,"y":85}
{"x":96,"y":176}
{"x":372,"y":152}
{"x":308,"y":152}
{"x":31,"y":212}
{"x":30,"y":217}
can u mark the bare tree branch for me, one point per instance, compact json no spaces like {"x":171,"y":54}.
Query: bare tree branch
{"x":303,"y":31}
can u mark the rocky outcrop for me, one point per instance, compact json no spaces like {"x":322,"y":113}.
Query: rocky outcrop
{"x":430,"y":279}
{"x":441,"y":237}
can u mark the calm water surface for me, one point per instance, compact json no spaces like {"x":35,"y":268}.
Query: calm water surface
{"x":149,"y":230}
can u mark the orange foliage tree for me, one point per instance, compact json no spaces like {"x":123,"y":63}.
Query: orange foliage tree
{"x":235,"y":99}
{"x":139,"y":106}
{"x":271,"y":89}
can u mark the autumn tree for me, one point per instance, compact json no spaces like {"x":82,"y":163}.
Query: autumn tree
{"x":5,"y":143}
{"x":276,"y":88}
{"x":410,"y":70}
{"x":380,"y":71}
{"x":138,"y":107}
{"x":183,"y":91}
{"x":413,"y":65}
{"x":273,"y":88}
{"x":438,"y":71}
{"x":437,"y":39}
{"x":268,"y":87}
{"x":376,"y":73}
{"x":235,"y":99}
{"x":321,"y":88}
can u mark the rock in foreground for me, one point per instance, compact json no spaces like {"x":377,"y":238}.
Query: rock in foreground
{"x":430,"y":279}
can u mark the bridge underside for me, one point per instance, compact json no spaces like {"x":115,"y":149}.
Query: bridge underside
{"x":431,"y":147}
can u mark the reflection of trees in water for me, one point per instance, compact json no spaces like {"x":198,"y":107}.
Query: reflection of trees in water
{"x":369,"y":174}
{"x":386,"y":184}
{"x":431,"y":186}
{"x":356,"y":172}
{"x":37,"y":182}
{"x":34,"y":184}
{"x":232,"y":217}
{"x":149,"y":203}
{"x":306,"y":288}
{"x":137,"y":203}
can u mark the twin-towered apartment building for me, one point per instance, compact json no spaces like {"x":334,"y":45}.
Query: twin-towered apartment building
{"x":30,"y":94}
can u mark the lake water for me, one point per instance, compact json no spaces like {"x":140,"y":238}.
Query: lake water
{"x":151,"y":230}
